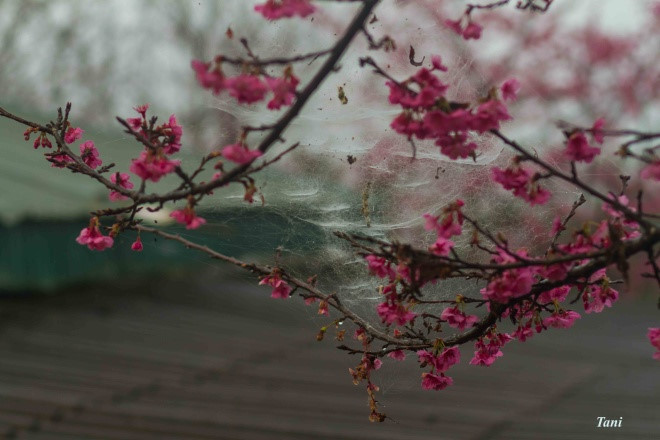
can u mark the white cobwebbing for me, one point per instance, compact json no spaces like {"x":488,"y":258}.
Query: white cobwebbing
{"x":385,"y":192}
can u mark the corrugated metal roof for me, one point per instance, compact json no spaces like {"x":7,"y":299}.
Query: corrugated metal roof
{"x":215,"y":359}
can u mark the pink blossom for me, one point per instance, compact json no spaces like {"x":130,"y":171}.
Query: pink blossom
{"x":579,"y":150}
{"x":472,"y":30}
{"x":430,"y":89}
{"x":239,"y":153}
{"x":523,"y":332}
{"x":561,"y":319}
{"x":276,"y":9}
{"x":616,"y":214}
{"x":123,"y":180}
{"x":90,"y":155}
{"x":208,"y":79}
{"x":284,"y":91}
{"x":435,"y":382}
{"x":555,"y":272}
{"x":447,"y":359}
{"x":557,"y":294}
{"x":489,"y":115}
{"x":91,"y":237}
{"x":522,"y":183}
{"x":72,"y":135}
{"x":137,"y":245}
{"x":391,"y":312}
{"x":142,"y":109}
{"x":598,"y":296}
{"x":247,"y":89}
{"x":486,"y":354}
{"x":380,"y":267}
{"x":441,"y":247}
{"x":456,"y":148}
{"x":407,"y":124}
{"x":458,"y":319}
{"x":436,"y":62}
{"x":510,"y":89}
{"x":398,"y":355}
{"x":174,"y":132}
{"x":188,"y":217}
{"x":654,"y":338}
{"x":451,"y":222}
{"x":280,"y":287}
{"x":442,"y":362}
{"x":651,"y":171}
{"x":537,"y":195}
{"x":152,"y":166}
{"x":135,"y":123}
{"x":511,"y":283}
{"x":513,"y":177}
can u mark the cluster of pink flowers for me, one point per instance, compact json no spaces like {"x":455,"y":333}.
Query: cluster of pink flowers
{"x":522,"y":183}
{"x":152,"y":165}
{"x":428,"y":115}
{"x":487,"y":353}
{"x":276,"y":9}
{"x":578,"y":148}
{"x":240,"y":153}
{"x":165,"y":139}
{"x":188,"y":217}
{"x":457,"y":318}
{"x":446,"y":225}
{"x":380,"y":267}
{"x":88,"y":152}
{"x":510,"y":283}
{"x":90,"y":155}
{"x":439,"y":363}
{"x":281,"y":288}
{"x":248,"y":88}
{"x":92,"y":237}
{"x":392,"y":311}
{"x":561,"y":319}
{"x":284,"y":91}
{"x":598,"y":294}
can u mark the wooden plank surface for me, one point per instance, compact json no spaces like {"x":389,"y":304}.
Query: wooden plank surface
{"x":179,"y":360}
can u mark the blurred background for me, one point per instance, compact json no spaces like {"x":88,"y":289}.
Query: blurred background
{"x":168,"y":344}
